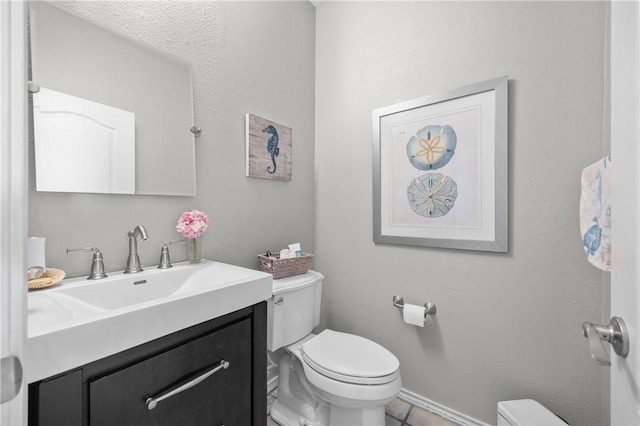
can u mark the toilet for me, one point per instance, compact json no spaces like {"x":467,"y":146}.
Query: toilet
{"x":331,"y":378}
{"x":526,"y":412}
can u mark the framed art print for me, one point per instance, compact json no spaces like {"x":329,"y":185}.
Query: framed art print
{"x":268,"y":149}
{"x":440,"y":169}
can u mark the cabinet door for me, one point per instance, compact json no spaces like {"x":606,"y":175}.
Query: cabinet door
{"x":56,"y":401}
{"x":224,"y":398}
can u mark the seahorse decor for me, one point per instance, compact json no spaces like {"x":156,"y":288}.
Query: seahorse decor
{"x":269,"y":148}
{"x":272,"y":147}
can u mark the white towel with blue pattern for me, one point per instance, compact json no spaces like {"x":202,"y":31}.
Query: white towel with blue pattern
{"x":595,"y":213}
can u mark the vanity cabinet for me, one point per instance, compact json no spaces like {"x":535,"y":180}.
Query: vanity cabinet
{"x":214,"y":372}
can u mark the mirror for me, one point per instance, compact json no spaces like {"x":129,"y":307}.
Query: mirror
{"x":118,"y":109}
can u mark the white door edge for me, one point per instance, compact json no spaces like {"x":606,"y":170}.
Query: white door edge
{"x":625,"y":156}
{"x":13,"y":194}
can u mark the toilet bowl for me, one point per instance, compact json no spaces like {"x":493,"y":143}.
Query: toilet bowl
{"x":526,"y":412}
{"x":331,"y":378}
{"x":321,"y":386}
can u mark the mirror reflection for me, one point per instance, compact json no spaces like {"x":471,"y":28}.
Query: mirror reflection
{"x":109,"y":110}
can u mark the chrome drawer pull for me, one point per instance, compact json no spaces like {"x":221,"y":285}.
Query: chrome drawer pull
{"x":153,"y":401}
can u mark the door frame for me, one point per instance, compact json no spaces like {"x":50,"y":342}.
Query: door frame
{"x":625,"y":157}
{"x":13,"y":195}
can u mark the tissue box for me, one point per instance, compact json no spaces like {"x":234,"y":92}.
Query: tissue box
{"x":281,"y":268}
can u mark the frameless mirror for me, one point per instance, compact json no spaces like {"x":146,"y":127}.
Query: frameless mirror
{"x":109,"y":110}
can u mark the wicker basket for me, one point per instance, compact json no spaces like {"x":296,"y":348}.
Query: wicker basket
{"x":281,"y":268}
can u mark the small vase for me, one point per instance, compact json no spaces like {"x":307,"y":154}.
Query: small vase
{"x":194,"y":249}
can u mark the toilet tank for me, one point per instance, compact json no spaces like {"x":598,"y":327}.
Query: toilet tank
{"x":294,"y":309}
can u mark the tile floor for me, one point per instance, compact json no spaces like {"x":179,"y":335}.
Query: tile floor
{"x":399,"y":413}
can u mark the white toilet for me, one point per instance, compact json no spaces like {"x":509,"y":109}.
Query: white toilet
{"x":331,"y":378}
{"x":526,"y":412}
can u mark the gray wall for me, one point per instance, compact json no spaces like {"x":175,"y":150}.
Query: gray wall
{"x":253,"y":57}
{"x":508,"y":325}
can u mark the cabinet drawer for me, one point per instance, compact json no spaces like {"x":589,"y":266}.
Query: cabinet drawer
{"x":225,"y":397}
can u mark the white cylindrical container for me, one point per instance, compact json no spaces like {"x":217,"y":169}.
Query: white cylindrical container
{"x":36,"y":252}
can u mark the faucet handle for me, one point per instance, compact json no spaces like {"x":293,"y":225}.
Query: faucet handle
{"x":97,"y":262}
{"x":165,"y":259}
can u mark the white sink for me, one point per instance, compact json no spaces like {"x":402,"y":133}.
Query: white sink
{"x":122,"y":290}
{"x":80,"y":321}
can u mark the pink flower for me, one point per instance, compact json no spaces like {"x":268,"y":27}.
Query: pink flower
{"x":192,"y":224}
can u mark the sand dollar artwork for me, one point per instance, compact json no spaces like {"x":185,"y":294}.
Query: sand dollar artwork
{"x":432,"y":195}
{"x":432,"y":147}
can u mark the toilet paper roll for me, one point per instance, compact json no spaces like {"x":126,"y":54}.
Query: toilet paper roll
{"x":35,"y":252}
{"x":413,"y":314}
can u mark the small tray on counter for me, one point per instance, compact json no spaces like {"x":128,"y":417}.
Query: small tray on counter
{"x":56,"y":276}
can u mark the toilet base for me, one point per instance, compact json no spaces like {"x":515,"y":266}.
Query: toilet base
{"x":298,"y":404}
{"x":285,"y":416}
{"x":340,"y":416}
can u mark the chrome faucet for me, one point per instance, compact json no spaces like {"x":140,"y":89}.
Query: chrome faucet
{"x":165,"y":258}
{"x":133,"y":261}
{"x":97,"y":262}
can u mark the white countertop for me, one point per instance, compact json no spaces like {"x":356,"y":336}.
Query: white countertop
{"x":74,"y":323}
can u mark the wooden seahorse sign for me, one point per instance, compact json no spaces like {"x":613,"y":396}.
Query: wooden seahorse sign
{"x":268,"y":149}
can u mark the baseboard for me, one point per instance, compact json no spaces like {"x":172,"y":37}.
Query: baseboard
{"x":439,"y":409}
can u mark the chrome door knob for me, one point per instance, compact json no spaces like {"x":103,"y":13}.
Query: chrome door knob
{"x":614,"y":333}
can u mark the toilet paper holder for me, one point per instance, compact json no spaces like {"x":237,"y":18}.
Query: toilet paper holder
{"x":430,"y":308}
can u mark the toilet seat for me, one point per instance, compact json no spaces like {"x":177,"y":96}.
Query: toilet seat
{"x":349,"y":358}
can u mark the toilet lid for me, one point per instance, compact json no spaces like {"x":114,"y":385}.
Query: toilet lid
{"x":350,"y":358}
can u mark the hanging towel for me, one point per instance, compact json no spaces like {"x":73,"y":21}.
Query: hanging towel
{"x":595,"y":213}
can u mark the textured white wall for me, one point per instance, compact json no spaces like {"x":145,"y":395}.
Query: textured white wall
{"x":253,"y":57}
{"x":508,"y":325}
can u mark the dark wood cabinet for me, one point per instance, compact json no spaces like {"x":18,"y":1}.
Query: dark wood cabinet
{"x":115,"y":390}
{"x":57,"y":401}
